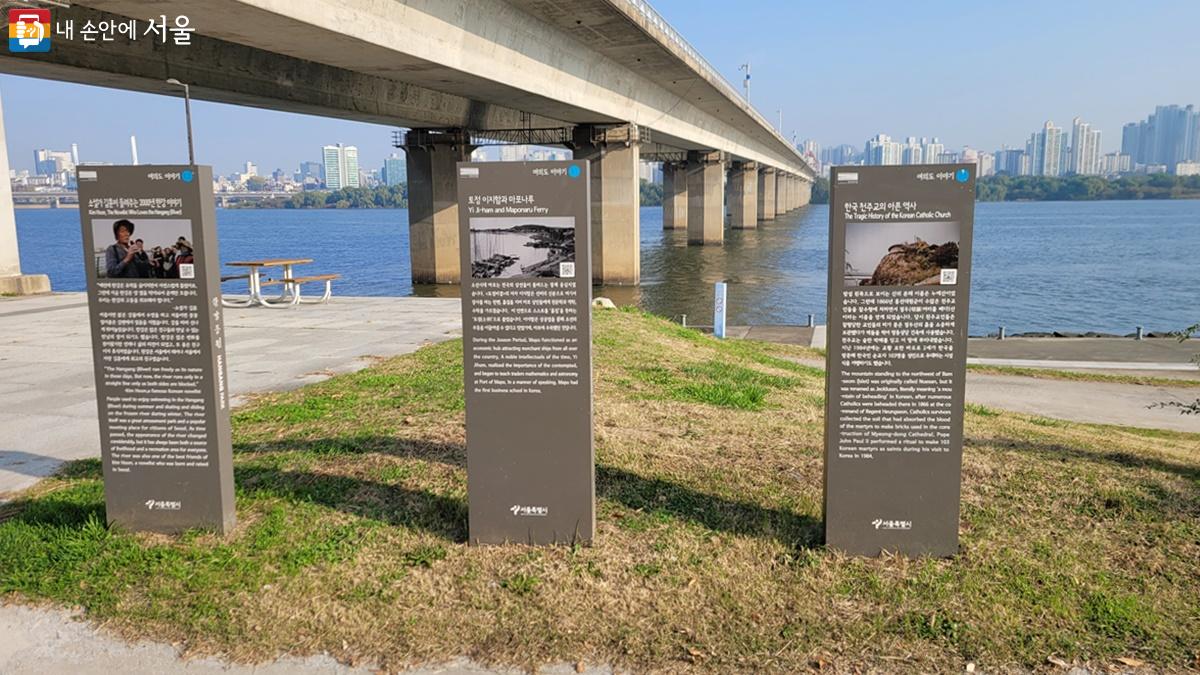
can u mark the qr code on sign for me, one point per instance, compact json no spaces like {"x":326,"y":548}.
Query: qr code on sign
{"x":949,"y":277}
{"x":566,"y":270}
{"x":187,"y":271}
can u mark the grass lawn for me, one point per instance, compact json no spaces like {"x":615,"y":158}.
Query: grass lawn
{"x":1079,"y":542}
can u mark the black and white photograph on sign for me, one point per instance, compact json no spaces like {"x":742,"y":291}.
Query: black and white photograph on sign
{"x":143,"y":248}
{"x":901,"y":254}
{"x":522,"y":247}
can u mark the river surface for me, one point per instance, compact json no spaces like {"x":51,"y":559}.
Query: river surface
{"x":1044,"y":266}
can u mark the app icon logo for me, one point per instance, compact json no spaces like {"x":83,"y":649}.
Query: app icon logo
{"x":573,"y":171}
{"x":962,"y":175}
{"x":28,"y":30}
{"x":186,"y":175}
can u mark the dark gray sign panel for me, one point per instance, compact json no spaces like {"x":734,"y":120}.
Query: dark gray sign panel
{"x":525,"y":240}
{"x":899,"y":283}
{"x":153,"y":276}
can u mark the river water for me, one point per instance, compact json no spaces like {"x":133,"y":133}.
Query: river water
{"x":1072,"y":266}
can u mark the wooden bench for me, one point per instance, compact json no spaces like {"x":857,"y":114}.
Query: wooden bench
{"x":296,"y":282}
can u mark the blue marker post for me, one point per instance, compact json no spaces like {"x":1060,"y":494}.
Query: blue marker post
{"x":719,"y":309}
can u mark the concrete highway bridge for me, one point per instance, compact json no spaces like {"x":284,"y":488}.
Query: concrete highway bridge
{"x":609,"y":79}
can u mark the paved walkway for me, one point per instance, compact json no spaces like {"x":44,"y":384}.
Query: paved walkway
{"x":40,"y":641}
{"x":1081,"y":401}
{"x":47,"y":387}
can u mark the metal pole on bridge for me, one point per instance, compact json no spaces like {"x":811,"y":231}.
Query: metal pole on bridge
{"x":187,"y":111}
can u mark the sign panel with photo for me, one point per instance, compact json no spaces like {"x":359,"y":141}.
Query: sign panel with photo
{"x":524,"y":234}
{"x":150,"y":245}
{"x":899,"y":282}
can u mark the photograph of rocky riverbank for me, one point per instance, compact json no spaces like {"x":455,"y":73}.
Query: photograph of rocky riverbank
{"x":900,"y":254}
{"x":522,"y":247}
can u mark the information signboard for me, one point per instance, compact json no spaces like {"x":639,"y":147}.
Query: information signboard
{"x":153,"y":278}
{"x":899,"y":282}
{"x":525,"y":241}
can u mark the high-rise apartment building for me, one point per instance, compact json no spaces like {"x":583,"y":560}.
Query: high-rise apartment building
{"x":882,"y":151}
{"x":341,"y":166}
{"x":1011,"y":161}
{"x":1169,"y":136}
{"x":1046,"y":151}
{"x":394,"y":171}
{"x":932,"y":150}
{"x":1085,"y":149}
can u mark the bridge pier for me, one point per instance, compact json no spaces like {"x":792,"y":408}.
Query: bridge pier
{"x":706,"y":197}
{"x":743,"y":195}
{"x":805,"y":193}
{"x":675,"y":196}
{"x":613,"y":154}
{"x":12,"y":282}
{"x":766,"y":193}
{"x":432,"y":158}
{"x":782,"y":187}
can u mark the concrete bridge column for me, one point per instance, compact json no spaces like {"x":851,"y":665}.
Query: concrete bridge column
{"x":12,"y":282}
{"x":706,"y":197}
{"x":791,"y":194}
{"x":743,"y":195}
{"x":675,"y":196}
{"x":805,"y":193}
{"x":766,"y":193}
{"x":780,"y":193}
{"x":614,"y":154}
{"x":432,"y":159}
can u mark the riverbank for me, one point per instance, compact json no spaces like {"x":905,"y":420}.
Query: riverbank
{"x":352,"y":511}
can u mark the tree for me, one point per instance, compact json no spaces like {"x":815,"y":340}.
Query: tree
{"x":256,"y":183}
{"x":651,"y":193}
{"x":1193,"y":407}
{"x":820,"y":191}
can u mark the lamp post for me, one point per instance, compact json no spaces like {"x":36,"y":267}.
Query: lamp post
{"x":187,"y":109}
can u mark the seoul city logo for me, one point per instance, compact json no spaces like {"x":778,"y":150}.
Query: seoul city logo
{"x":889,"y":524}
{"x":28,"y":30}
{"x":519,"y":510}
{"x":161,"y":505}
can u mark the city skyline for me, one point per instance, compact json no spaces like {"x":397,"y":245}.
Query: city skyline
{"x":979,"y":82}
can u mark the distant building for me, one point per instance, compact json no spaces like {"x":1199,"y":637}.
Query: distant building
{"x":1046,"y":151}
{"x":52,"y":162}
{"x":882,"y":151}
{"x":341,"y":166}
{"x":932,"y":150}
{"x":1187,"y":169}
{"x":395,"y":170}
{"x":1115,"y":164}
{"x":1085,"y":149}
{"x":251,"y":169}
{"x":310,"y":173}
{"x":912,"y":153}
{"x":1169,"y":136}
{"x":1010,"y":161}
{"x":839,"y":155}
{"x":984,"y":162}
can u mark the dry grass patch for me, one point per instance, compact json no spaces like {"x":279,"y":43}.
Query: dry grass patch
{"x":1078,"y":541}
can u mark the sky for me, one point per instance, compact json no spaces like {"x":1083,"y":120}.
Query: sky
{"x":981,"y":74}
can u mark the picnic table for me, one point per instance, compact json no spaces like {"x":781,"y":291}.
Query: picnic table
{"x":289,"y":294}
